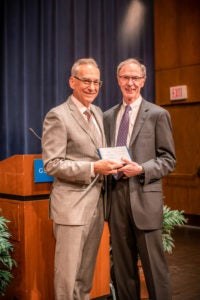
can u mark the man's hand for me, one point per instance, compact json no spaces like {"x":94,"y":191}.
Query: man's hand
{"x":106,"y":167}
{"x":131,"y":168}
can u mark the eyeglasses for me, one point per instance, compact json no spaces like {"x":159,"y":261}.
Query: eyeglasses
{"x":86,"y":82}
{"x":128,"y":78}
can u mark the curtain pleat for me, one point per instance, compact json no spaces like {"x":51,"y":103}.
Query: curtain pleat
{"x":41,"y":39}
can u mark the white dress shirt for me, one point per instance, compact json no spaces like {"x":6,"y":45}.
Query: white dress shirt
{"x":82,"y":109}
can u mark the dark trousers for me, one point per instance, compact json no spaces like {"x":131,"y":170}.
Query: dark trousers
{"x":127,"y":243}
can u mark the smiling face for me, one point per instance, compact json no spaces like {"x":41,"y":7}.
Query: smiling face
{"x":131,"y":80}
{"x":85,"y":84}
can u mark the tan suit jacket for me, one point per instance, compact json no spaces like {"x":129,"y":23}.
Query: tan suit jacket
{"x":68,"y":150}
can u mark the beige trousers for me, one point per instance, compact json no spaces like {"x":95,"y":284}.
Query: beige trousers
{"x":75,"y":256}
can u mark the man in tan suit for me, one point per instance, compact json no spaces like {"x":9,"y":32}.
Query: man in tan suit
{"x":70,"y":141}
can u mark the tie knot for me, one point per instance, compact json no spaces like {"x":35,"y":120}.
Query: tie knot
{"x":127,"y":108}
{"x":88,"y":114}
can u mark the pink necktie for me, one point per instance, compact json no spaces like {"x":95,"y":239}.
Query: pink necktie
{"x":91,"y":124}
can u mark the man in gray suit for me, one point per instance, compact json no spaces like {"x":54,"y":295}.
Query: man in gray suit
{"x":72,"y":133}
{"x":135,"y":199}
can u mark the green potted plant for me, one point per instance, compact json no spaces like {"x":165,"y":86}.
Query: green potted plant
{"x":6,"y":260}
{"x":171,"y":219}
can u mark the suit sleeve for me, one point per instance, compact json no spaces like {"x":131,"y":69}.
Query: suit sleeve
{"x":164,"y":161}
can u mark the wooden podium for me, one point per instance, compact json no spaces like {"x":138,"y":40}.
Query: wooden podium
{"x":25,"y":204}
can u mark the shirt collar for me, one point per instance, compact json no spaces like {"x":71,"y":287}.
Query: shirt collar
{"x":79,"y":105}
{"x":136,"y":103}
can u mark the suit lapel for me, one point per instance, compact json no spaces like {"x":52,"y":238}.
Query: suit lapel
{"x":99,"y":121}
{"x":142,"y":114}
{"x":77,"y":115}
{"x":113,"y":124}
{"x":83,"y":123}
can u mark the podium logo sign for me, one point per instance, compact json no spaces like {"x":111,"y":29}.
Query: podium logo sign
{"x":39,"y":174}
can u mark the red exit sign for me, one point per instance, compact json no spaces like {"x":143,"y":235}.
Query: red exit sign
{"x":178,"y":92}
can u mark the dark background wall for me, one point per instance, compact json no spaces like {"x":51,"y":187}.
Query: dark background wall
{"x":40,"y":40}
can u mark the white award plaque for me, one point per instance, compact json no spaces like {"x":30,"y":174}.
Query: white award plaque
{"x":114,"y":153}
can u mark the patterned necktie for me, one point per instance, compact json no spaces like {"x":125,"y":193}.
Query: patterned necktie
{"x":123,"y":128}
{"x":92,"y":126}
{"x":122,"y":134}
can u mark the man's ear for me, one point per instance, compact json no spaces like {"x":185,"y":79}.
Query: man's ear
{"x":71,"y":82}
{"x":143,"y":82}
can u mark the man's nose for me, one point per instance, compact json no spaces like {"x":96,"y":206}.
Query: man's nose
{"x":131,"y":81}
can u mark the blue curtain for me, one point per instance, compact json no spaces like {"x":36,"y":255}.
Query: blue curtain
{"x":41,"y":39}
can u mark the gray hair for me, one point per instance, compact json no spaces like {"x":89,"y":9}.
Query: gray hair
{"x":132,"y":61}
{"x":82,"y":61}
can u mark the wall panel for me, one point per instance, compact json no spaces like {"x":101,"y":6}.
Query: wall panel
{"x":177,"y":62}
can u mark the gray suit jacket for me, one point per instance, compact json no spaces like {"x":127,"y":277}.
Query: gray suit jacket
{"x":69,"y":148}
{"x":151,"y":146}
